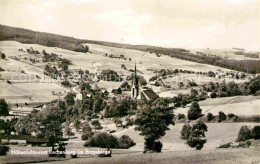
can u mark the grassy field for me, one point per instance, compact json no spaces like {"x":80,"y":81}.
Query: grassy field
{"x":174,"y":149}
{"x":223,"y":53}
{"x":246,"y":107}
{"x":26,"y":85}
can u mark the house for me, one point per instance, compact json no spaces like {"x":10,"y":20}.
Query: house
{"x":28,"y":139}
{"x":78,"y":96}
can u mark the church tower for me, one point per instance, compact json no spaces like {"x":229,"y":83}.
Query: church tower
{"x":135,"y":86}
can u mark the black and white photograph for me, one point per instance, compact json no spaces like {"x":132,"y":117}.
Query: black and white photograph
{"x":130,"y":81}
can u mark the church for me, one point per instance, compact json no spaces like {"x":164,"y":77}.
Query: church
{"x":141,"y":93}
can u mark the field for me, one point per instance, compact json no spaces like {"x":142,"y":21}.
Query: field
{"x":173,"y":148}
{"x":229,"y":53}
{"x":26,"y":88}
{"x":241,"y":106}
{"x":26,"y":85}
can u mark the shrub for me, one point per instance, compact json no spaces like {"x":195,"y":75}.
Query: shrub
{"x":194,"y":112}
{"x":221,"y":116}
{"x":125,"y":142}
{"x":227,"y":145}
{"x":86,"y":132}
{"x":65,"y":83}
{"x":4,"y":150}
{"x":94,"y":115}
{"x":210,"y":117}
{"x":96,"y":124}
{"x":118,"y":122}
{"x":256,"y":132}
{"x":3,"y":56}
{"x":181,"y":116}
{"x":129,"y":122}
{"x":86,"y":136}
{"x":244,"y":134}
{"x":230,"y":115}
{"x":244,"y":144}
{"x":185,"y":132}
{"x":213,"y":94}
{"x":103,"y":140}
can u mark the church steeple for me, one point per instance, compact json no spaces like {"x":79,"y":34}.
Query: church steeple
{"x":135,"y":87}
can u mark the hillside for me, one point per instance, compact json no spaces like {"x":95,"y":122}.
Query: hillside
{"x":70,"y":43}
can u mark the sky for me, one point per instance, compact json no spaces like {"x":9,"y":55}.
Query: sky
{"x":167,"y":23}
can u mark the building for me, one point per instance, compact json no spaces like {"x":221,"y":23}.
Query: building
{"x":143,"y":93}
{"x":135,"y":86}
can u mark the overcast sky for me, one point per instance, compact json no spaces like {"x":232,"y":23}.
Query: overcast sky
{"x":168,"y":23}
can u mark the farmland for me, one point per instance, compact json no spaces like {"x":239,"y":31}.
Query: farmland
{"x":34,"y":90}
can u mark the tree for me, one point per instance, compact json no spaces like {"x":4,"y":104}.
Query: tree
{"x":69,"y":99}
{"x":3,"y":56}
{"x":125,"y":142}
{"x":46,"y":123}
{"x":86,"y":132}
{"x":195,"y":135}
{"x":213,"y":94}
{"x":64,"y":67}
{"x":210,"y":116}
{"x":4,"y":109}
{"x":254,"y":85}
{"x":193,"y":94}
{"x":66,"y":83}
{"x":185,"y":132}
{"x":181,"y":85}
{"x":244,"y":134}
{"x":221,"y":116}
{"x":194,"y":112}
{"x":256,"y":132}
{"x":153,"y":121}
{"x":181,"y":116}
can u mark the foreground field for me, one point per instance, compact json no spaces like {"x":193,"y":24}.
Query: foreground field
{"x":235,"y":156}
{"x":174,"y":149}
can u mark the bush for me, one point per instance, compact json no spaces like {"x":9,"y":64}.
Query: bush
{"x":94,"y":115}
{"x":118,"y":122}
{"x":103,"y":140}
{"x":125,"y":142}
{"x":244,"y":144}
{"x":256,"y":132}
{"x":213,"y":94}
{"x":86,"y":136}
{"x":4,"y":150}
{"x":181,"y":116}
{"x":65,"y":83}
{"x":221,"y":116}
{"x":231,"y":115}
{"x":227,"y":145}
{"x":185,"y":132}
{"x":129,"y":122}
{"x":210,"y":117}
{"x":244,"y":134}
{"x":3,"y":56}
{"x":96,"y":124}
{"x":194,"y":112}
{"x":86,"y":132}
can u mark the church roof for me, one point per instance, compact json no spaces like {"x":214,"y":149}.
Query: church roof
{"x":150,"y":94}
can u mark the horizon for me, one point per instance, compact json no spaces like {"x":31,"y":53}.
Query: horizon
{"x":172,"y":24}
